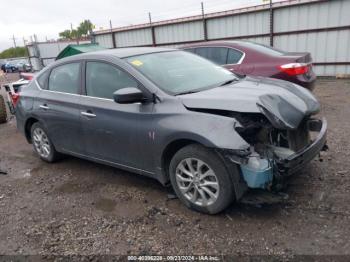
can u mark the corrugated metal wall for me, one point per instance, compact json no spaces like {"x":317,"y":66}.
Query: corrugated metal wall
{"x":298,"y":25}
{"x":325,"y":47}
{"x":239,"y":25}
{"x":105,"y":40}
{"x":192,"y":31}
{"x":317,"y":15}
{"x":135,"y":37}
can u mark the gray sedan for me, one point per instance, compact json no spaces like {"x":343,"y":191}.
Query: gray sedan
{"x":176,"y":117}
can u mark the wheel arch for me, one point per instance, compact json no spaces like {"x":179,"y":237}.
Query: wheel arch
{"x":27,"y":128}
{"x":170,"y":150}
{"x":177,"y":144}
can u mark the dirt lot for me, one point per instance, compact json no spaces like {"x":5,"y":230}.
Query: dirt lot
{"x":79,"y":207}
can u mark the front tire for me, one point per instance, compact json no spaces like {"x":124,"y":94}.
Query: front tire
{"x":42,"y":143}
{"x":200,"y":179}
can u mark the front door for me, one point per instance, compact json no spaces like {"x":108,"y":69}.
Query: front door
{"x":117,"y":133}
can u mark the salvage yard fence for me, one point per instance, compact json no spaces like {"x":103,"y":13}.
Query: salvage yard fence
{"x":321,"y":27}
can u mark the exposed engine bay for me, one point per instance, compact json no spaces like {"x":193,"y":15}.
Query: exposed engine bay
{"x":274,"y":152}
{"x":268,"y":140}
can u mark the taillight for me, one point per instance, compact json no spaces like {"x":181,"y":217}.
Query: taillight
{"x":15,"y":98}
{"x":293,"y":69}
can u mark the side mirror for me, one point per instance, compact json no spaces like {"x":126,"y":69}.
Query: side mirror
{"x":129,"y":95}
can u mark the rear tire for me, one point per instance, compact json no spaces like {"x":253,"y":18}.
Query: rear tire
{"x":42,"y":143}
{"x":3,"y":113}
{"x":200,"y":179}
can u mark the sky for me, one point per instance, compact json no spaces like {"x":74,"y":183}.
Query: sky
{"x":46,"y":18}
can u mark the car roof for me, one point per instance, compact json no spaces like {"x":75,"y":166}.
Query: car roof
{"x":214,"y":42}
{"x":127,"y":52}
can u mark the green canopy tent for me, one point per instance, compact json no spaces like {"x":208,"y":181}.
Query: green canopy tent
{"x":78,"y":49}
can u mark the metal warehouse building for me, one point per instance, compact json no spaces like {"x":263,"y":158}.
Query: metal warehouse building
{"x":321,"y":27}
{"x":43,"y":53}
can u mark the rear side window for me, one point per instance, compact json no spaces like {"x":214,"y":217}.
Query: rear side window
{"x":65,"y":78}
{"x":102,"y":80}
{"x":217,"y":55}
{"x":233,"y":56}
{"x":42,"y":79}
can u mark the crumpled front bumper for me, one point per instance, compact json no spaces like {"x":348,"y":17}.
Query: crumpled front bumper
{"x":297,"y":161}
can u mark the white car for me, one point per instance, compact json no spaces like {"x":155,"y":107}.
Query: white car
{"x":12,"y":90}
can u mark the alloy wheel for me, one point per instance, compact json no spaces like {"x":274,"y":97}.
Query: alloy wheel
{"x":197,"y":181}
{"x":41,"y":142}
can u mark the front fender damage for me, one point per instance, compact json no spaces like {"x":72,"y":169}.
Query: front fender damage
{"x":271,"y":152}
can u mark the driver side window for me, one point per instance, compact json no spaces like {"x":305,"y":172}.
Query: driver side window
{"x":103,"y":79}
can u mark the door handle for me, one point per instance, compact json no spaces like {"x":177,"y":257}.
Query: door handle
{"x":44,"y":106}
{"x":88,"y":114}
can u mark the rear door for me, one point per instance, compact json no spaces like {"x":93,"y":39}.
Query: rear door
{"x":234,"y":60}
{"x":217,"y":55}
{"x":116,"y":133}
{"x":57,"y":106}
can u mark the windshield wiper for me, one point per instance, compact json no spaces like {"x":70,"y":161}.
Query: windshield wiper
{"x":186,"y":92}
{"x":229,"y":81}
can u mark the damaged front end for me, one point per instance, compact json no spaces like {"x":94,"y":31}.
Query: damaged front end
{"x":276,"y":151}
{"x":275,"y":119}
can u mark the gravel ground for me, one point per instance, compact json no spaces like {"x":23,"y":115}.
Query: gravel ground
{"x":79,"y":207}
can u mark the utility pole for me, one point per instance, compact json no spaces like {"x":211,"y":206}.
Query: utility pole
{"x":112,"y":35}
{"x":205,"y":32}
{"x":14,"y":44}
{"x":110,"y":24}
{"x":271,"y":24}
{"x":152,"y":29}
{"x":14,"y":41}
{"x":150,"y":18}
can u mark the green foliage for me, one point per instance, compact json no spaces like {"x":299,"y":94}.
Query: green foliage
{"x":14,"y":52}
{"x":83,"y":29}
{"x":65,"y":34}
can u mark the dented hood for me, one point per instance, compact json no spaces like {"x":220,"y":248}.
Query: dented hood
{"x":283,"y":103}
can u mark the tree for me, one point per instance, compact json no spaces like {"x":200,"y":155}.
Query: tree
{"x":66,"y":34}
{"x":85,"y":28}
{"x":75,"y":34}
{"x":14,"y":52}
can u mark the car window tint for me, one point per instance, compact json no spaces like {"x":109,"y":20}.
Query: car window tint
{"x":233,"y":56}
{"x":102,"y":80}
{"x":42,"y":79}
{"x":217,"y":55}
{"x":65,"y":78}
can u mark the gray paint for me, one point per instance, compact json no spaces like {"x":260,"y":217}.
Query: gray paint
{"x":135,"y":136}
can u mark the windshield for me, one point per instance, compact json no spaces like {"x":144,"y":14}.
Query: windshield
{"x":179,"y":72}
